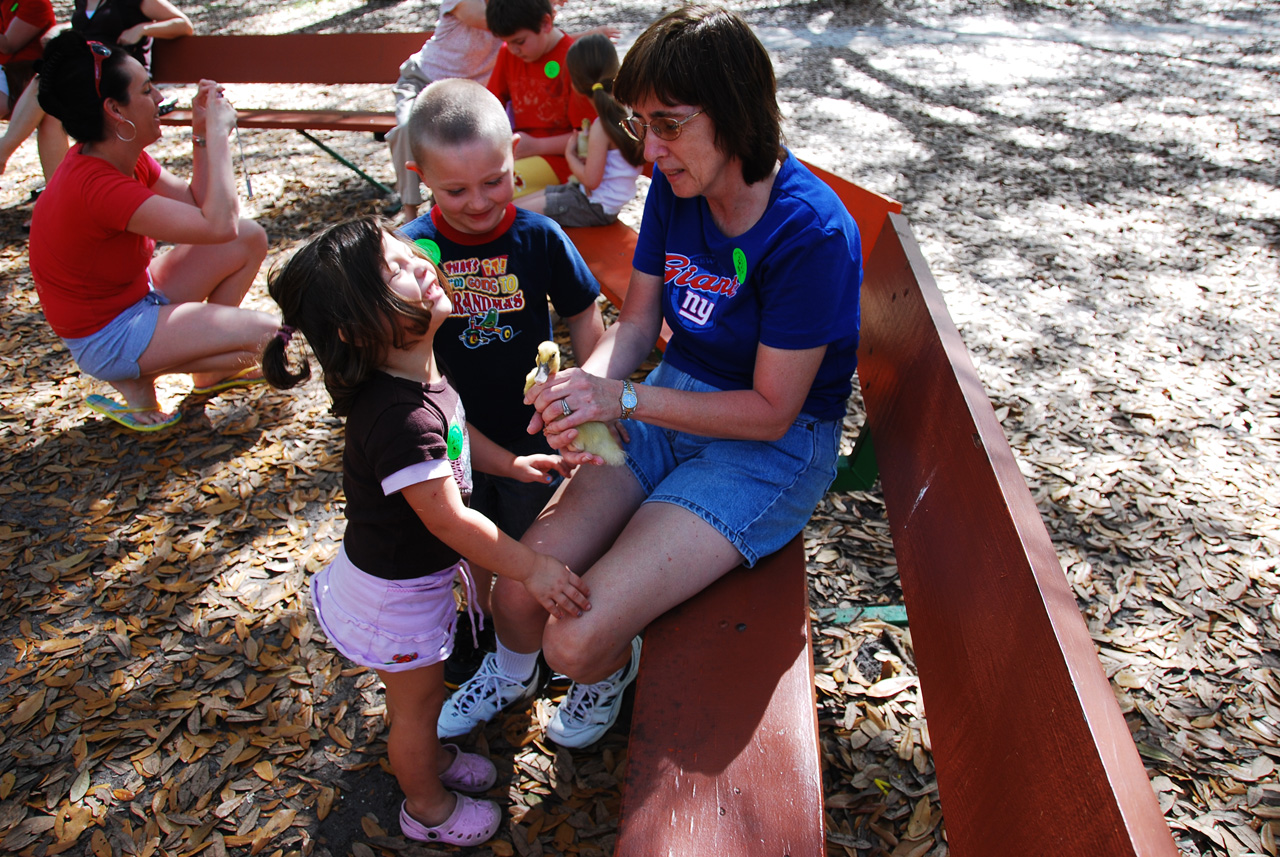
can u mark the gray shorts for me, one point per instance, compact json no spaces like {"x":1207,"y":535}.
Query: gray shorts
{"x":112,"y":353}
{"x":567,"y":205}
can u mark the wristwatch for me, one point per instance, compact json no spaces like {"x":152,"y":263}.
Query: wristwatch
{"x":628,"y":400}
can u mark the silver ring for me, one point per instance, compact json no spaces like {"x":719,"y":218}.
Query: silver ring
{"x":564,"y":406}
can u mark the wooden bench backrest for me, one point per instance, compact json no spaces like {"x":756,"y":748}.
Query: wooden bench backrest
{"x":286,"y":58}
{"x":1032,"y":752}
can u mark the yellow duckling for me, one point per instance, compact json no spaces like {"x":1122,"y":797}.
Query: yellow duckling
{"x":593,"y":437}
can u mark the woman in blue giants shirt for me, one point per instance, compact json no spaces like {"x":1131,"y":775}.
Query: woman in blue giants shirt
{"x":756,"y":266}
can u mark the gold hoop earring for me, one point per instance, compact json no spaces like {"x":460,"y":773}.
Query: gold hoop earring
{"x":127,"y":139}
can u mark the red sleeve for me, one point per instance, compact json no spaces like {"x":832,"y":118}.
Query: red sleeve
{"x":111,"y":198}
{"x":38,"y":13}
{"x":498,"y":83}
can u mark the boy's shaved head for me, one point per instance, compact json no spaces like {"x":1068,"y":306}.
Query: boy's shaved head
{"x":455,"y":112}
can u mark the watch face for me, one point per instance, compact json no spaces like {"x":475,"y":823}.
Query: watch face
{"x":628,"y":397}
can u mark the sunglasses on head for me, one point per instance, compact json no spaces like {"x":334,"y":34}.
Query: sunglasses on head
{"x":100,"y":52}
{"x":664,"y":127}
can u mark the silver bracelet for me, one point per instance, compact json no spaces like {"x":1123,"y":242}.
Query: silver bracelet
{"x":199,"y":141}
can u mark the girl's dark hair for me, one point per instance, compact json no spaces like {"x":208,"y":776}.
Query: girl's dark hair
{"x":507,"y":17}
{"x":332,"y":290}
{"x":593,"y":59}
{"x":707,"y":57}
{"x":67,"y":89}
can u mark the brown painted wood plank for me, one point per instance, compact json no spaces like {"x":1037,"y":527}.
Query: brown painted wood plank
{"x":1032,"y":752}
{"x":307,"y":120}
{"x":285,"y":58}
{"x":608,"y":251}
{"x":867,"y":207}
{"x":723,"y":756}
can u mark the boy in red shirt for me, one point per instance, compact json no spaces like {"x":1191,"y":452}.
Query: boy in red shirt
{"x":531,"y":78}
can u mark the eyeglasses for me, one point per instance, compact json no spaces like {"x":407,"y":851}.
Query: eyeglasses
{"x":100,"y":53}
{"x":664,"y":127}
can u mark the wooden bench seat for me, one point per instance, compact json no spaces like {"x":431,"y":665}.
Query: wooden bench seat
{"x":293,"y":58}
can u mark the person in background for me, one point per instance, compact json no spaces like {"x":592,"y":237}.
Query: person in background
{"x":606,"y":176}
{"x":23,"y":23}
{"x":125,"y":316}
{"x":530,"y":79}
{"x":129,"y":23}
{"x":461,"y":46}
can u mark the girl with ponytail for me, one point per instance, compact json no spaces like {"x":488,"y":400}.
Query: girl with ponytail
{"x":606,"y":171}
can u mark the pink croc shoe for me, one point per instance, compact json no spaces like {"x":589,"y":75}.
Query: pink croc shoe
{"x":471,"y":823}
{"x":469,"y":772}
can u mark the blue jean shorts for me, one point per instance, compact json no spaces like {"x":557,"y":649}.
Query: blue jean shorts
{"x":112,"y":353}
{"x":757,"y":494}
{"x":388,"y":625}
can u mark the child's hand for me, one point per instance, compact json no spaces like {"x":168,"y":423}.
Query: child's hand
{"x":609,"y":32}
{"x":538,"y":468}
{"x":560,"y":592}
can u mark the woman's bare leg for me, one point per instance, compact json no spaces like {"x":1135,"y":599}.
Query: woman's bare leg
{"x":221,"y":275}
{"x":217,"y":273}
{"x":665,"y":556}
{"x":577,"y":527}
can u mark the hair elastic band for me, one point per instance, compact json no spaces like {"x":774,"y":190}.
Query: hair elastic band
{"x":285,"y":334}
{"x":597,"y":85}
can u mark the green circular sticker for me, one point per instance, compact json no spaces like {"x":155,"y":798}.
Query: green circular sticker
{"x":740,"y":264}
{"x":552,"y":69}
{"x":454,"y":441}
{"x":431,"y":248}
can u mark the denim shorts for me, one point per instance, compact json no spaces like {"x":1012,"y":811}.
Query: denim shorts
{"x":388,"y":625}
{"x":757,"y":494}
{"x":112,"y":353}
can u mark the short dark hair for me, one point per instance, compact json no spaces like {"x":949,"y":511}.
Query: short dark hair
{"x":67,"y":90}
{"x":707,"y":57}
{"x":332,"y":290}
{"x":507,"y":17}
{"x":454,"y":112}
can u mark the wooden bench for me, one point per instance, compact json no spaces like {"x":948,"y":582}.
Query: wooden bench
{"x":293,"y":58}
{"x":1032,"y":753}
{"x":725,"y":761}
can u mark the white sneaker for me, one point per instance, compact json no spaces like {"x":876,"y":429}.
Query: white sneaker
{"x":588,"y":710}
{"x":480,"y":698}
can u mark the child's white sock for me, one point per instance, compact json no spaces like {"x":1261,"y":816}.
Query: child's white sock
{"x":516,"y":665}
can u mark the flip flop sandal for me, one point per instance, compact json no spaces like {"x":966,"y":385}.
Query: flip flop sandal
{"x":124,"y":415}
{"x":471,"y":823}
{"x":240,"y":379}
{"x":469,"y":772}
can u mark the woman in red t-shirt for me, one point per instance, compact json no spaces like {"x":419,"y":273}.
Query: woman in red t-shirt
{"x":126,"y":317}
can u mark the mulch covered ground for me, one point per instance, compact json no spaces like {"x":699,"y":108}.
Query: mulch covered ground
{"x":1094,"y":186}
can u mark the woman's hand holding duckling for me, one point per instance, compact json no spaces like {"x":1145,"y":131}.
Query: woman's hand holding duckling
{"x":589,"y":398}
